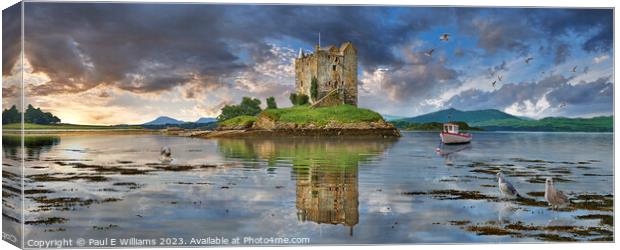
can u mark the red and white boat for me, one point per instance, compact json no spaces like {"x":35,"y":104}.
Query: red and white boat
{"x":450,"y":134}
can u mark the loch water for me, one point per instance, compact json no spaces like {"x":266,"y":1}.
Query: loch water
{"x":328,"y":190}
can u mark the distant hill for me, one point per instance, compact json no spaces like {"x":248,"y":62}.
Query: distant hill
{"x":206,"y":120}
{"x":495,"y":120}
{"x":392,"y":117}
{"x":164,"y":120}
{"x":431,"y":126}
{"x":595,"y":124}
{"x":470,"y":117}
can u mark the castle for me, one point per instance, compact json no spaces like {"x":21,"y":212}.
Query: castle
{"x":333,"y":69}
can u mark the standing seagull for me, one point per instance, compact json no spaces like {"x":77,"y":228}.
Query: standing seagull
{"x":554,"y":197}
{"x":444,"y":37}
{"x":429,"y":52}
{"x":527,"y":60}
{"x":165,"y":155}
{"x":506,"y":188}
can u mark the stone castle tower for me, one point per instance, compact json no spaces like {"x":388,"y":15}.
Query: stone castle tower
{"x":335,"y":71}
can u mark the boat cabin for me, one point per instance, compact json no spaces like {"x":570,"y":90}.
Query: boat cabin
{"x":451,"y":128}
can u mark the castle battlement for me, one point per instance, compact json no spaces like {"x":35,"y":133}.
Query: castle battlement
{"x":335,"y":71}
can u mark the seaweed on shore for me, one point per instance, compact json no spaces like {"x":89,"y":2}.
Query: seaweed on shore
{"x":452,"y":194}
{"x":47,"y":221}
{"x":593,"y":202}
{"x":548,"y":233}
{"x":530,"y":160}
{"x":604,"y":219}
{"x":38,"y":191}
{"x":53,"y":178}
{"x":130,"y":185}
{"x":65,"y":203}
{"x":111,"y":169}
{"x":110,"y":226}
{"x":541,"y":180}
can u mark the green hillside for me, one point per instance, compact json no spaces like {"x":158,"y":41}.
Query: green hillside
{"x":469,"y":117}
{"x":431,"y":126}
{"x":595,"y":124}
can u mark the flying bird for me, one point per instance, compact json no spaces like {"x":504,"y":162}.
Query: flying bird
{"x":562,"y":105}
{"x":506,"y":188}
{"x":165,"y":155}
{"x":574,"y":69}
{"x":444,"y":37}
{"x":499,"y":77}
{"x":527,"y":60}
{"x":554,"y":197}
{"x":493,"y":83}
{"x":429,"y":52}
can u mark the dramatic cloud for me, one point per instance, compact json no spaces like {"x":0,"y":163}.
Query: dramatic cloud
{"x":195,"y":58}
{"x":543,"y":98}
{"x":11,"y":37}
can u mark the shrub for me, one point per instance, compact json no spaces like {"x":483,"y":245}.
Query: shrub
{"x":302,"y":99}
{"x":293,"y":98}
{"x":314,"y":88}
{"x":271,"y":103}
{"x":299,"y":99}
{"x":248,"y":106}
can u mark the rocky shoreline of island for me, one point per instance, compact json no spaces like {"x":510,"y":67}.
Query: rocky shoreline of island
{"x":301,"y":132}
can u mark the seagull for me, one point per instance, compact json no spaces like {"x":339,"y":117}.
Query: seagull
{"x":527,"y":60}
{"x":554,"y":197}
{"x":574,"y":69}
{"x":562,"y":105}
{"x":493,"y":83}
{"x":444,"y":37}
{"x":499,"y":77}
{"x":506,"y":188}
{"x":429,"y":53}
{"x":165,"y":155}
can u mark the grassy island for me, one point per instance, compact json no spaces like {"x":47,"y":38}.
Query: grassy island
{"x":306,"y":115}
{"x":242,"y":120}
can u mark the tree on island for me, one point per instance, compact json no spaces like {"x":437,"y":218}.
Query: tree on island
{"x":271,"y":103}
{"x":37,"y":116}
{"x":314,"y":88}
{"x":298,"y":99}
{"x":248,"y":106}
{"x":11,"y":115}
{"x":32,"y":115}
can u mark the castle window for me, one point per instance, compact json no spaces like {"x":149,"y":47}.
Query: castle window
{"x":334,"y":67}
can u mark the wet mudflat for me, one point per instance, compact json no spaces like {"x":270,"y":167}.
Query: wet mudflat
{"x":330,"y":190}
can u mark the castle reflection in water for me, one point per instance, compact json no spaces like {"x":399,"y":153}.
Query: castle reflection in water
{"x":328,"y":197}
{"x":325,"y":172}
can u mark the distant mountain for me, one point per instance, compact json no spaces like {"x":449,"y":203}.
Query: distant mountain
{"x":392,"y":117}
{"x":595,"y":124}
{"x":206,"y":120}
{"x":470,"y":117}
{"x":164,"y":120}
{"x":495,"y":120}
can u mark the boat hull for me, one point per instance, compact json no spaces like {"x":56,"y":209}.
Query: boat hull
{"x":451,"y":138}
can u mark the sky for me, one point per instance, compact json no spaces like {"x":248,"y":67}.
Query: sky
{"x":118,"y":63}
